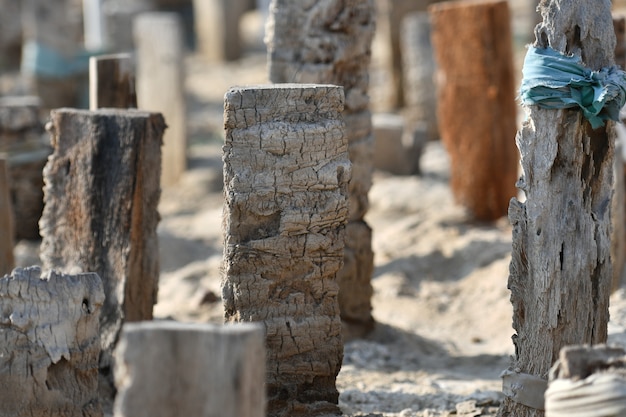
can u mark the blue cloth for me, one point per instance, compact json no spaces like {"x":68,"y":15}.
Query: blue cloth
{"x":553,"y":80}
{"x":42,"y":60}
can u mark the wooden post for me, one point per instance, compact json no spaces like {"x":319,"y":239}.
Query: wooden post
{"x":10,"y":35}
{"x":560,"y":273}
{"x":476,"y":102}
{"x":295,"y":55}
{"x":112,"y":82}
{"x":203,"y":370}
{"x":101,"y":195}
{"x":618,"y":203}
{"x":7,"y":261}
{"x":49,"y":344}
{"x":22,"y":139}
{"x":217,"y":28}
{"x":286,"y":174}
{"x":159,"y":43}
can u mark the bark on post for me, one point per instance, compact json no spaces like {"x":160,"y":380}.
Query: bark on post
{"x":330,"y":43}
{"x":101,"y":195}
{"x":112,"y":82}
{"x":560,"y":273}
{"x":49,"y":344}
{"x":160,"y":72}
{"x":203,"y":370}
{"x":286,"y":174}
{"x":7,"y":261}
{"x":476,"y":102}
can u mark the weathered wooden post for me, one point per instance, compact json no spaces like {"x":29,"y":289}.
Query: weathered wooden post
{"x":101,"y":195}
{"x":217,"y":28}
{"x":10,"y":35}
{"x":560,"y":273}
{"x":22,"y":139}
{"x":7,"y":261}
{"x":203,"y":370}
{"x":112,"y":81}
{"x":297,"y":54}
{"x":49,"y":344}
{"x":159,"y":43}
{"x":286,"y":174}
{"x":476,"y":102}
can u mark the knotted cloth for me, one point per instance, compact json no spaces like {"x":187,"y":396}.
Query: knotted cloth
{"x":552,"y":80}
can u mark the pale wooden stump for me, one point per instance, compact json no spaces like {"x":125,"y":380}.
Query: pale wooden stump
{"x":112,"y":81}
{"x":166,"y":369}
{"x":476,"y":103}
{"x":217,"y":28}
{"x":159,"y":43}
{"x":7,"y":261}
{"x":49,"y":344}
{"x":286,"y":174}
{"x":101,"y":196}
{"x":329,"y":42}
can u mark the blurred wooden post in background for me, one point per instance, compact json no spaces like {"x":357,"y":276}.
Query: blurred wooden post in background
{"x":112,"y":82}
{"x":50,"y":344}
{"x":286,"y":174}
{"x":618,"y":204}
{"x":476,"y":103}
{"x":160,"y":72}
{"x":217,"y":28}
{"x":7,"y":261}
{"x":101,"y":195}
{"x":560,"y":272}
{"x":166,"y":369}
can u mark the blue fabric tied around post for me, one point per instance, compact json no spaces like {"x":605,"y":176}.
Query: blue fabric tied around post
{"x":44,"y":61}
{"x":553,"y":80}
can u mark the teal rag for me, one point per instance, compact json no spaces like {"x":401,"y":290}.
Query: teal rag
{"x":44,"y":61}
{"x":553,"y":80}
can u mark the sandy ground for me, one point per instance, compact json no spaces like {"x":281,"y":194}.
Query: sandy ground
{"x":440,"y":302}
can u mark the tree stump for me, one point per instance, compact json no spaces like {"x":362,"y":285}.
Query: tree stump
{"x":217,"y":28}
{"x":203,"y":370}
{"x":7,"y":261}
{"x":560,"y":273}
{"x":329,"y":42}
{"x":49,"y":344}
{"x":112,"y":82}
{"x":286,"y":175}
{"x":476,"y":102}
{"x":159,"y":43}
{"x":101,"y":196}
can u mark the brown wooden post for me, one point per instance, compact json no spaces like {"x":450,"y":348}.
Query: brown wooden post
{"x":476,"y":102}
{"x":101,"y":195}
{"x":112,"y":82}
{"x":560,"y":273}
{"x":49,"y":344}
{"x":166,"y":369}
{"x":286,"y":174}
{"x":295,"y":55}
{"x":217,"y":28}
{"x":7,"y":261}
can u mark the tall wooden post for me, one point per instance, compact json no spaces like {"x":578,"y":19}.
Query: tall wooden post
{"x":7,"y":261}
{"x":295,"y":54}
{"x":560,"y":273}
{"x":49,"y":344}
{"x":101,"y":195}
{"x":203,"y":370}
{"x":286,"y":174}
{"x":160,"y":73}
{"x":476,"y":102}
{"x":217,"y":28}
{"x":112,"y":82}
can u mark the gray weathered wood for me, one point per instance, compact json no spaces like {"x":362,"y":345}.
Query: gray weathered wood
{"x":560,"y":273}
{"x":165,"y":369}
{"x":112,"y":81}
{"x":160,"y":72}
{"x":476,"y":102}
{"x":7,"y":261}
{"x":101,"y":196}
{"x":286,"y":174}
{"x":49,"y":344}
{"x":329,"y":42}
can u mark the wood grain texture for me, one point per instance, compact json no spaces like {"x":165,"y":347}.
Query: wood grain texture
{"x":100,"y":215}
{"x":7,"y":260}
{"x":49,"y":344}
{"x":112,"y":82}
{"x":560,"y":272}
{"x":286,"y":174}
